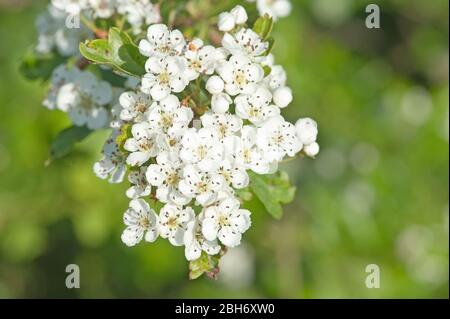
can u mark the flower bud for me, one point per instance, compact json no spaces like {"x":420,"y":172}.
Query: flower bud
{"x":239,"y":14}
{"x":220,"y":103}
{"x":312,"y":149}
{"x":226,"y":22}
{"x":215,"y":85}
{"x":306,"y":130}
{"x":282,"y":96}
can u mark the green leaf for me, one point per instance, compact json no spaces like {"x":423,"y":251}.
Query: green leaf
{"x":35,"y":66}
{"x":65,"y":141}
{"x":272,"y":190}
{"x":267,"y":70}
{"x":263,"y":26}
{"x":206,"y":264}
{"x":118,"y":51}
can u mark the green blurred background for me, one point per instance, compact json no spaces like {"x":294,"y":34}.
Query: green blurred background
{"x":376,"y":194}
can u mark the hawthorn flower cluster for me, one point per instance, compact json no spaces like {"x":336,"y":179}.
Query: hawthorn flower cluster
{"x":188,"y":133}
{"x":194,"y":162}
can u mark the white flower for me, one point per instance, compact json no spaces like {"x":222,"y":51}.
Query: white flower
{"x":113,"y":162}
{"x":173,"y":222}
{"x":164,"y":75}
{"x":277,"y":138}
{"x":222,"y":124}
{"x":168,"y":116}
{"x":195,"y":242}
{"x":274,"y":8}
{"x":215,"y":85}
{"x":276,"y":78}
{"x":161,"y":42}
{"x":61,"y":75}
{"x":244,"y":151}
{"x":307,"y":131}
{"x":141,"y":222}
{"x":201,"y":147}
{"x":239,"y":14}
{"x":142,"y":146}
{"x":141,"y":187}
{"x":233,"y":174}
{"x":240,"y":75}
{"x":229,"y":20}
{"x":312,"y":149}
{"x":200,"y":59}
{"x":226,"y":222}
{"x":226,"y":22}
{"x":220,"y":103}
{"x":139,"y":13}
{"x":102,"y":8}
{"x":85,"y":99}
{"x":135,"y":106}
{"x":245,"y":41}
{"x":165,"y":175}
{"x":202,"y":186}
{"x":282,"y":96}
{"x":256,"y":107}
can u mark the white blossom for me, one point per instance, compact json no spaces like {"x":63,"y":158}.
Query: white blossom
{"x":203,"y":186}
{"x":240,"y":75}
{"x":142,"y":146}
{"x":200,"y":59}
{"x":161,"y":42}
{"x":195,"y":242}
{"x":164,"y":75}
{"x":140,"y":186}
{"x":113,"y":163}
{"x":173,"y":222}
{"x":141,"y":222}
{"x":226,"y":222}
{"x":223,"y":125}
{"x":245,"y":41}
{"x":306,"y":129}
{"x":165,"y":175}
{"x":257,"y":107}
{"x":135,"y":106}
{"x":277,"y":138}
{"x":202,"y":147}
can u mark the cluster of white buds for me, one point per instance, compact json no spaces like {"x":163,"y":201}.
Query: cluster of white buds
{"x":193,"y":158}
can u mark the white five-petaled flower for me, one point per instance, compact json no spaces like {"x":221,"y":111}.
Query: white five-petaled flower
{"x":164,"y":75}
{"x":139,"y":13}
{"x":173,"y":222}
{"x":113,"y":163}
{"x":162,"y":42}
{"x":200,"y":59}
{"x":222,"y":124}
{"x":141,"y":222}
{"x":247,"y":42}
{"x":233,"y":173}
{"x":142,"y":146}
{"x":244,"y":151}
{"x":195,"y":242}
{"x":240,"y":75}
{"x":135,"y":106}
{"x":201,"y":147}
{"x":166,"y":175}
{"x":202,"y":186}
{"x":256,"y":107}
{"x":141,"y":187}
{"x":277,"y":138}
{"x":226,"y":221}
{"x":274,"y":8}
{"x":85,"y":99}
{"x":169,"y":117}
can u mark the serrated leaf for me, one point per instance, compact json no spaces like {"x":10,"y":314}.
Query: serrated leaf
{"x":65,"y":141}
{"x":272,"y":190}
{"x":263,"y":26}
{"x":35,"y":66}
{"x":118,"y":51}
